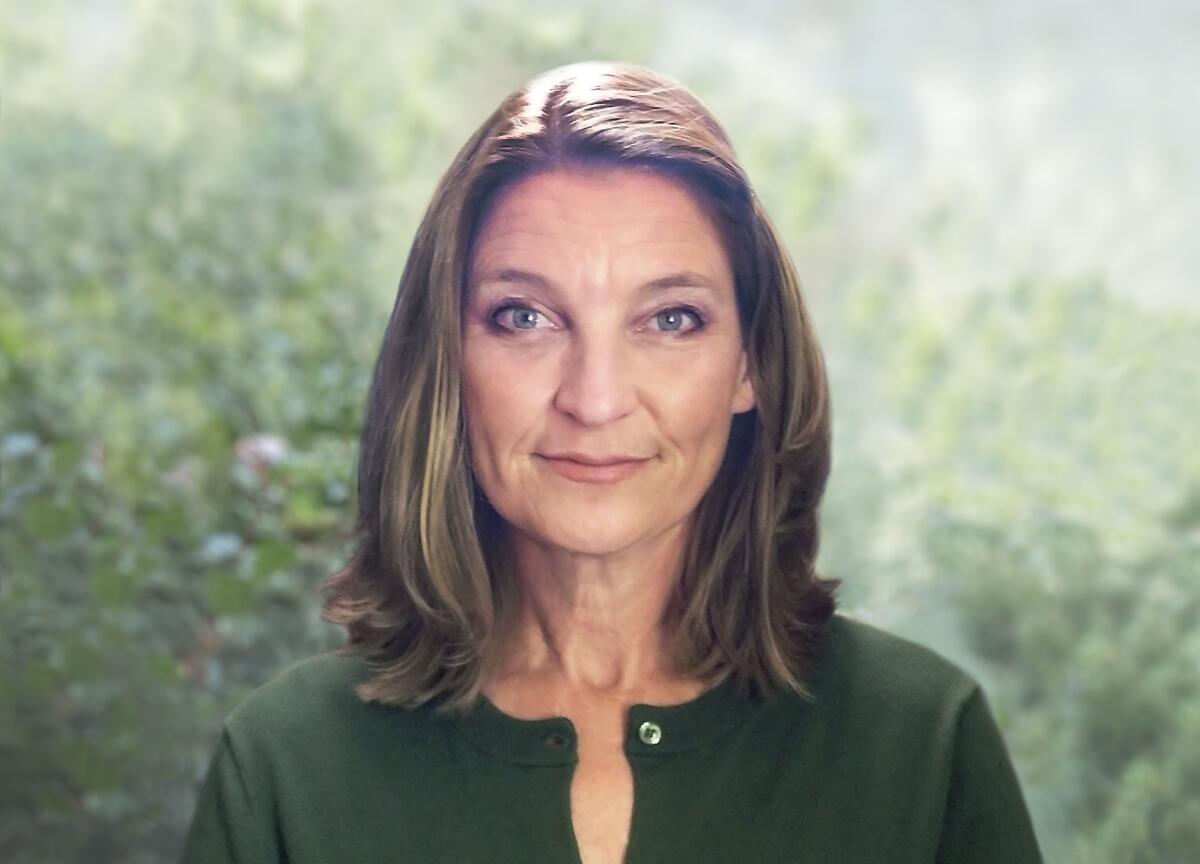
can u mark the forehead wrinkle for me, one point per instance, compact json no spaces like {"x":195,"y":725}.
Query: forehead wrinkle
{"x":512,"y":243}
{"x":652,"y":231}
{"x":680,"y":279}
{"x":700,"y":248}
{"x":511,"y":264}
{"x":679,"y":207}
{"x":697,"y":259}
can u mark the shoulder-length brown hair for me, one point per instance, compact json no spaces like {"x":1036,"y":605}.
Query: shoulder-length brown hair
{"x":428,"y":597}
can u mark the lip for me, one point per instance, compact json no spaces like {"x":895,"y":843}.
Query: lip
{"x":584,"y":459}
{"x":586,"y":473}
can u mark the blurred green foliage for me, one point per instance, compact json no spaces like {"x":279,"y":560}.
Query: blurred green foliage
{"x":198,"y":245}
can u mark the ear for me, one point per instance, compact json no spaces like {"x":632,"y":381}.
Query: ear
{"x":743,"y":398}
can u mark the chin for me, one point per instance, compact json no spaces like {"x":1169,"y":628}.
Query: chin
{"x":592,"y":542}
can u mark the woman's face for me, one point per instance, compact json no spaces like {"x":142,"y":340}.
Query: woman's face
{"x":599,"y":319}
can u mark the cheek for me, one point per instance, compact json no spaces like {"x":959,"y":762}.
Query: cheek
{"x":697,"y":396}
{"x":499,"y":403}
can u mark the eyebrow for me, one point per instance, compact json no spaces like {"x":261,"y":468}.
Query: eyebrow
{"x":679,"y":279}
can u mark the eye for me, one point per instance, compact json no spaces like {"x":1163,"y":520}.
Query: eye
{"x":525,"y":316}
{"x":676,"y":313}
{"x":525,"y":319}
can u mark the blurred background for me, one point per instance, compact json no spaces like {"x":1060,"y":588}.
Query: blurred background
{"x":205,"y":208}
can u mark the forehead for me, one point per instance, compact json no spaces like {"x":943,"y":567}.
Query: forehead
{"x":613,"y":211}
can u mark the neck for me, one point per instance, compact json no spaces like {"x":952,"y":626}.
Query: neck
{"x":592,"y":624}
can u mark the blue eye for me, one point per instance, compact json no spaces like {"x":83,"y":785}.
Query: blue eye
{"x":527,"y":315}
{"x":685,"y":310}
{"x":513,"y":306}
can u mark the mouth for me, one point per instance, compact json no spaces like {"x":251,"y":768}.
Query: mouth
{"x":583,"y":472}
{"x":585,"y":459}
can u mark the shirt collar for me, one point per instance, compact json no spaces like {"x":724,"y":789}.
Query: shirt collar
{"x":651,"y":730}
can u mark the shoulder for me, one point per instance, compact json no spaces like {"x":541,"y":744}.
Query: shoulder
{"x":864,"y":669}
{"x":322,"y":683}
{"x":312,"y":700}
{"x":886,"y":658}
{"x":902,"y":730}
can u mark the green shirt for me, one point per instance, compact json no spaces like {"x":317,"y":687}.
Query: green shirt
{"x":898,"y":759}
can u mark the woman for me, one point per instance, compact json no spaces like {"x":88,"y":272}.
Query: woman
{"x":584,"y":623}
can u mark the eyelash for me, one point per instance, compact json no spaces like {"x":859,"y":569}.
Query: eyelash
{"x":701,"y":321}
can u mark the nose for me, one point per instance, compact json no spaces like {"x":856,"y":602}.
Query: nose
{"x":596,"y":385}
